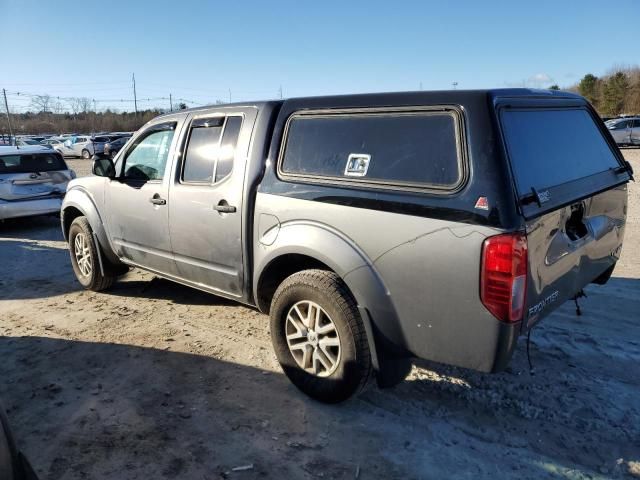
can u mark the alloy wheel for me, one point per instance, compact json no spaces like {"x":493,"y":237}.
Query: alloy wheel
{"x":83,"y":254}
{"x":312,"y":338}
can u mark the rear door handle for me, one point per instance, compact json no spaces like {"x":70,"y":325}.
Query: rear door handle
{"x":224,"y":207}
{"x":157,"y":200}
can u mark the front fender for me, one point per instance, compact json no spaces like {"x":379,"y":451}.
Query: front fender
{"x":81,"y":199}
{"x":342,"y":255}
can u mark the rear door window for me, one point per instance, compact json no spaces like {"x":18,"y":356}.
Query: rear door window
{"x":550,"y":147}
{"x":211,"y":149}
{"x":413,"y":149}
{"x":202,"y":150}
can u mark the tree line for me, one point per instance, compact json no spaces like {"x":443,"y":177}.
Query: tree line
{"x":83,"y":122}
{"x":48,"y":115}
{"x":613,"y":94}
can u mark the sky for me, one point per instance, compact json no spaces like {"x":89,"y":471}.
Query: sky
{"x":203,"y":51}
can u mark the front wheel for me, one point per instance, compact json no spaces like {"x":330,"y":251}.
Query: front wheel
{"x":319,"y":337}
{"x":85,"y":154}
{"x":84,"y":257}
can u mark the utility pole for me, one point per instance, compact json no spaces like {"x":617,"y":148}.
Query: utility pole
{"x":229,"y":95}
{"x":420,"y":86}
{"x":95,"y":114}
{"x":170,"y":103}
{"x":6,"y":106}
{"x":455,"y":84}
{"x":280,"y":92}
{"x":135,"y":98}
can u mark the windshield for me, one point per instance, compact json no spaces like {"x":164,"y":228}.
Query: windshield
{"x":27,"y":163}
{"x":549,"y":147}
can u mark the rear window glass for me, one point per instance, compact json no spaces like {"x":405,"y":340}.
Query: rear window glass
{"x":550,"y":147}
{"x":228,"y":147}
{"x":27,"y":163}
{"x":202,"y":150}
{"x":414,"y":149}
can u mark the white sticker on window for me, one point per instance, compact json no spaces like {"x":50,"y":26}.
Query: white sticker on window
{"x":357,"y":165}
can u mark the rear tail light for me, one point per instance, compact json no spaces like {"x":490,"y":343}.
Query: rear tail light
{"x":503,"y":281}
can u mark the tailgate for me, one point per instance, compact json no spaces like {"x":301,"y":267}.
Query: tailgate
{"x":22,"y":186}
{"x":571,"y":247}
{"x":25,"y":175}
{"x":571,"y":186}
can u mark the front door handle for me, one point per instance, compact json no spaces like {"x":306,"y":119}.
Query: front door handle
{"x":158,"y":200}
{"x":224,"y":207}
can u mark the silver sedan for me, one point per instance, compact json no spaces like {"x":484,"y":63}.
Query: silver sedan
{"x":625,"y":131}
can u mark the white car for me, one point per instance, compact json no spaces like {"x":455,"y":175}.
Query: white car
{"x":56,"y":143}
{"x":78,"y":146}
{"x":33,"y":181}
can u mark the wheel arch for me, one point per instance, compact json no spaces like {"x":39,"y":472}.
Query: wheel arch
{"x":77,"y":203}
{"x":299,"y":246}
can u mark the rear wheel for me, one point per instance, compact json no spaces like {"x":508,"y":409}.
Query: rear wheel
{"x":84,"y":257}
{"x":85,"y":154}
{"x":319,"y":337}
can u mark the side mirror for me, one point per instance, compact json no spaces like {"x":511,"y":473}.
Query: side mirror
{"x":103,"y":167}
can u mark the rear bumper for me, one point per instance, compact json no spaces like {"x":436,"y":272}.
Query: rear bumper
{"x":29,"y":208}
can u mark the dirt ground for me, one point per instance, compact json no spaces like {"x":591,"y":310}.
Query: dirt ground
{"x":155,"y":380}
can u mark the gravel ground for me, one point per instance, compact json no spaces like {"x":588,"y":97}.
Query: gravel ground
{"x":155,"y":380}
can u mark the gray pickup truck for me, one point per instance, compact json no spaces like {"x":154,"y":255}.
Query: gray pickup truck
{"x":371,"y":228}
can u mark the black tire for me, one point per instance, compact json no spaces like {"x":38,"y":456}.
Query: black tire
{"x":85,"y":154}
{"x":354,"y":368}
{"x":92,"y":279}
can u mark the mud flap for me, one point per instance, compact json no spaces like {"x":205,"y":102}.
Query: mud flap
{"x":393,"y":370}
{"x":606,"y":275}
{"x":390,"y":368}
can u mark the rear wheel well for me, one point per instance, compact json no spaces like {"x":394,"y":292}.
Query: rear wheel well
{"x":277,"y":271}
{"x":69,"y":215}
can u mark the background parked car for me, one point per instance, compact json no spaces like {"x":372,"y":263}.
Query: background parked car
{"x":27,"y":142}
{"x":55,"y":143}
{"x":33,"y":181}
{"x":113,"y":147}
{"x":625,"y":131}
{"x":78,"y":146}
{"x":96,"y":146}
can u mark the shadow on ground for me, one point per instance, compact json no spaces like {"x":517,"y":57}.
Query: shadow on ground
{"x":160,"y":289}
{"x":44,"y":227}
{"x":100,"y":410}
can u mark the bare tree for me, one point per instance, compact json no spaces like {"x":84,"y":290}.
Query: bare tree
{"x":80,"y":104}
{"x":85,"y":103}
{"x":74,"y":105}
{"x":57,"y":107}
{"x":41,"y":102}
